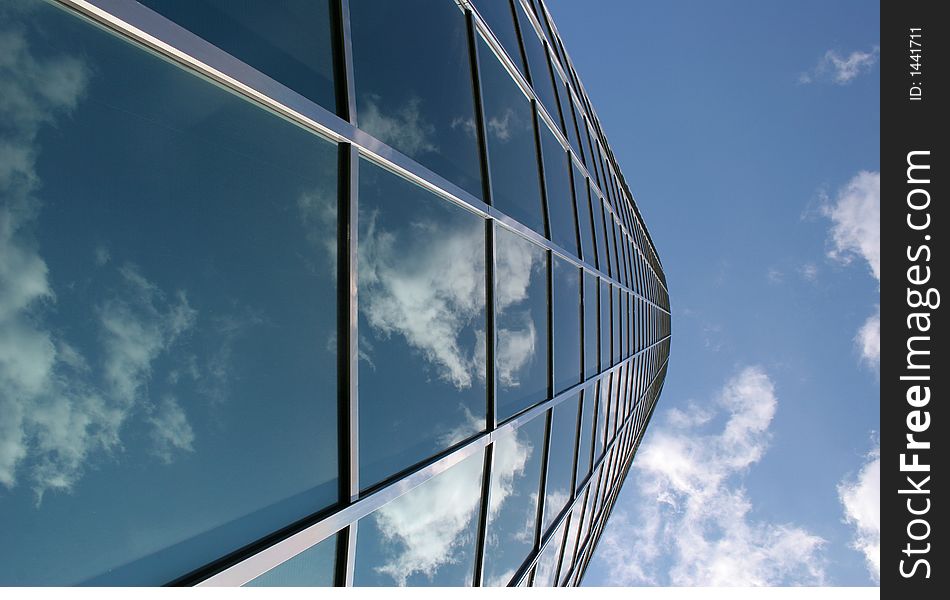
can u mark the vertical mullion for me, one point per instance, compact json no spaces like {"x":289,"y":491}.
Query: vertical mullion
{"x":348,"y":337}
{"x":490,"y":412}
{"x":346,"y":85}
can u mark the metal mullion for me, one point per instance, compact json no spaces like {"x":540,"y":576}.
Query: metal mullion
{"x":348,"y":278}
{"x":346,"y":85}
{"x":598,"y":470}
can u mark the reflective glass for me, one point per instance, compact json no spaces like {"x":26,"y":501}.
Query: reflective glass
{"x":585,"y":225}
{"x":570,"y":543}
{"x":167,"y":312}
{"x":570,"y":126}
{"x":287,"y":40}
{"x":586,"y":439}
{"x":557,"y":183}
{"x":600,"y":433}
{"x":498,"y":16}
{"x":541,"y":79}
{"x":521,"y":321}
{"x":425,"y":537}
{"x":590,"y":325}
{"x":617,"y":328}
{"x":567,"y":325}
{"x":601,"y":236}
{"x":414,"y":84}
{"x":546,"y":569}
{"x":313,"y":567}
{"x":612,"y":243}
{"x":512,"y":152}
{"x":513,"y":510}
{"x":421,"y":323}
{"x":609,"y":238}
{"x":605,"y":330}
{"x":558,"y":487}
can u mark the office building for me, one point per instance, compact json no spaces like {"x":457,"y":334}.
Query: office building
{"x":312,"y":293}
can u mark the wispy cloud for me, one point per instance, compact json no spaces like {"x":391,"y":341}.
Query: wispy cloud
{"x":427,"y":528}
{"x":809,"y":272}
{"x":856,"y":221}
{"x":693,"y":522}
{"x":868,"y":340}
{"x":839,"y":69}
{"x":855,"y":214}
{"x":861,"y":499}
{"x":404,"y":127}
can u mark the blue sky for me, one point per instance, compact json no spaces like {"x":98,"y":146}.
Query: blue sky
{"x":749,"y":134}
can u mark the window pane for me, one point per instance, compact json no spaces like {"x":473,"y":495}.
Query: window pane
{"x":601,"y":237}
{"x":570,"y":128}
{"x":521,"y":319}
{"x":538,"y":65}
{"x":590,"y":325}
{"x":557,"y":183}
{"x":516,"y":476}
{"x":586,"y":439}
{"x":512,"y":152}
{"x":605,"y":331}
{"x":414,"y":84}
{"x":570,"y":543}
{"x":560,"y":459}
{"x":313,"y":567}
{"x":426,"y":536}
{"x":585,"y":225}
{"x":546,"y":569}
{"x":567,"y":325}
{"x":287,"y":40}
{"x":171,"y":249}
{"x":422,"y":323}
{"x":616,"y":329}
{"x":498,"y":15}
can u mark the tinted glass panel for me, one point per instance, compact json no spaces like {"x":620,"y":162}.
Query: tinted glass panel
{"x":557,"y":183}
{"x":498,"y":15}
{"x":601,"y":236}
{"x":590,"y":325}
{"x":567,"y":325}
{"x":512,"y":152}
{"x":560,"y":459}
{"x":605,"y":331}
{"x":313,"y":567}
{"x":546,"y":569}
{"x":516,"y":476}
{"x":422,"y":323}
{"x":585,"y":225}
{"x":414,"y":84}
{"x":538,"y":65}
{"x":570,"y":543}
{"x":616,"y":328}
{"x":288,"y":40}
{"x":570,"y":128}
{"x":521,"y":319}
{"x":586,"y":439}
{"x":426,"y":536}
{"x":167,"y":259}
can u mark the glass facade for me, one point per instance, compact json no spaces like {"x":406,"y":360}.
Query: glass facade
{"x":312,"y":293}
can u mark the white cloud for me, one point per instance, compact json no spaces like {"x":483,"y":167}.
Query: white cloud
{"x":836,"y":68}
{"x":774,"y":275}
{"x":55,"y":415}
{"x":868,"y":339}
{"x":861,"y":498}
{"x":404,"y":128}
{"x":692,"y":524}
{"x":427,"y":527}
{"x":171,"y":430}
{"x":809,"y":272}
{"x":856,"y":217}
{"x":428,"y":292}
